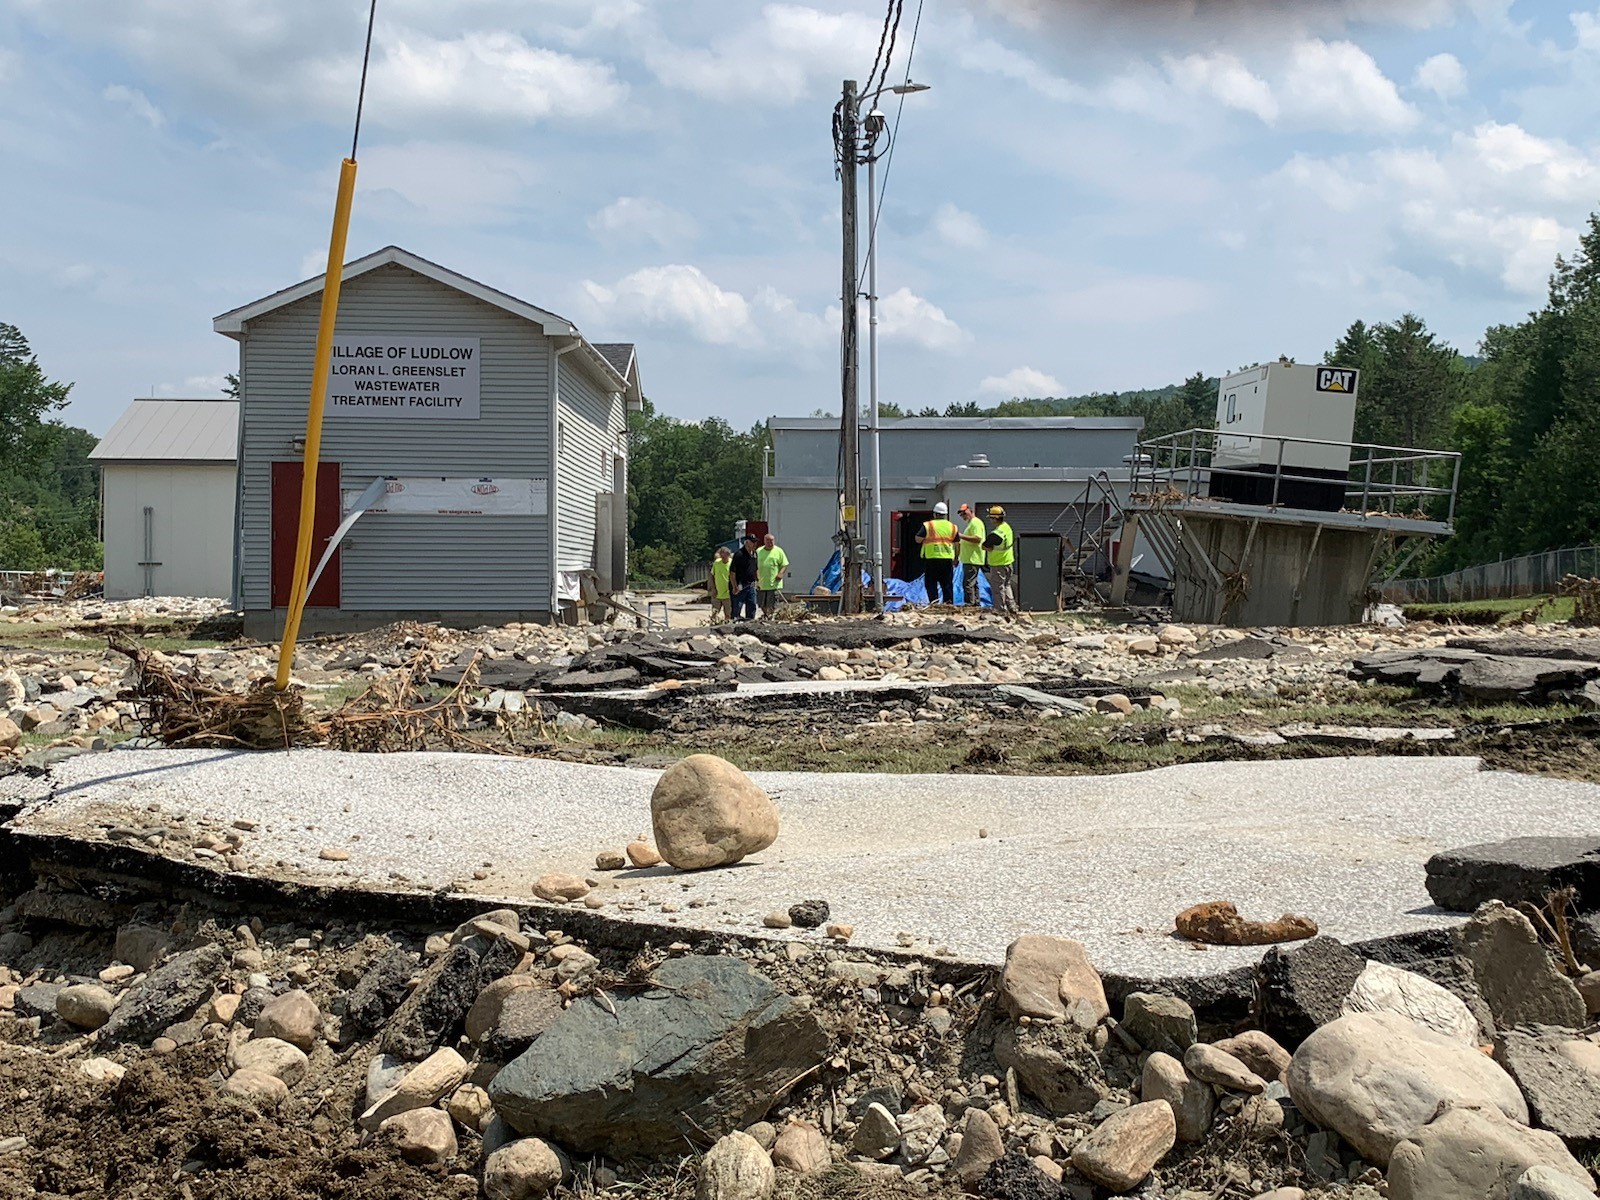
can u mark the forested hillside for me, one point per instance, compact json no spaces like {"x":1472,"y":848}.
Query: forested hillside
{"x":49,"y":491}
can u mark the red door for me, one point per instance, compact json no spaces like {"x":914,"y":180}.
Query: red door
{"x":286,"y":478}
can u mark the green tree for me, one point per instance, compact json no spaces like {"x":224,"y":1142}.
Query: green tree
{"x":688,"y":483}
{"x":49,"y":495}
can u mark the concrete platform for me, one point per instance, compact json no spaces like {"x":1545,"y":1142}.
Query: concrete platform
{"x":1109,"y":860}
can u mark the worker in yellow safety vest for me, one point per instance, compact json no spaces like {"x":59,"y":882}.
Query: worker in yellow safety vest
{"x":970,"y":555}
{"x":1001,"y":545}
{"x":938,"y":541}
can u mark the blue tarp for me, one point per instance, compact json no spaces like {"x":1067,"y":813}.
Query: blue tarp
{"x":897,"y":592}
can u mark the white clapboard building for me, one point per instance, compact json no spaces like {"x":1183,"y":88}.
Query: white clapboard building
{"x":167,"y":485}
{"x":474,"y":452}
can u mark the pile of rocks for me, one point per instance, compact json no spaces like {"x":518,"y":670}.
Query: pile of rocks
{"x":527,"y":1058}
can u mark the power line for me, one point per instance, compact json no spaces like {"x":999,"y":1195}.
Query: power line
{"x":894,"y":133}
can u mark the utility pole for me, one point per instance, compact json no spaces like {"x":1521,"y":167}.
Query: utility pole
{"x":850,"y":423}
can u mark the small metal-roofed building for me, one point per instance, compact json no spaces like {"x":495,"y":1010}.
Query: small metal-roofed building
{"x":481,"y":439}
{"x":1039,"y":468}
{"x":167,"y":483}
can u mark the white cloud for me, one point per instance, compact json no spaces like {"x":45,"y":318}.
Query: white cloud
{"x":1309,"y":83}
{"x":486,"y":75}
{"x":448,"y":183}
{"x":1024,"y":382}
{"x":1497,"y":202}
{"x":956,"y":227}
{"x":639,"y":218}
{"x":777,"y":59}
{"x":1227,"y":80}
{"x":905,"y":316}
{"x":678,"y":296}
{"x":135,"y":102}
{"x":681,"y":296}
{"x":1443,"y":75}
{"x":1337,"y":85}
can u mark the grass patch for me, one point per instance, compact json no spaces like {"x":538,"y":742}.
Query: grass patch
{"x":1503,"y":611}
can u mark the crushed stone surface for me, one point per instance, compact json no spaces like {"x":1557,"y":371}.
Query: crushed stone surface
{"x":1109,"y":860}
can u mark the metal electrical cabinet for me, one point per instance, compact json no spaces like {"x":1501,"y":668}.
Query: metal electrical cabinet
{"x":1038,"y":571}
{"x":1258,"y":408}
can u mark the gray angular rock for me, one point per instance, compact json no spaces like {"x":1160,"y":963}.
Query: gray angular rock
{"x":485,"y":1010}
{"x":878,"y":1134}
{"x":1516,"y":974}
{"x":38,"y":1000}
{"x":1559,"y":1074}
{"x":142,"y":946}
{"x":1515,"y":871}
{"x":1054,"y":1063}
{"x":1474,"y":1154}
{"x":1301,"y":989}
{"x":701,"y":1054}
{"x":1159,"y":1022}
{"x":525,"y":1015}
{"x":1373,"y":1078}
{"x":169,"y":994}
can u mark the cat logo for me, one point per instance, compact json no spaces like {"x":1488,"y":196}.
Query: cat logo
{"x":1336,"y":379}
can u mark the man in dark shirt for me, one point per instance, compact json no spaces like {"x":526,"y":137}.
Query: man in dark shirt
{"x":745,"y":572}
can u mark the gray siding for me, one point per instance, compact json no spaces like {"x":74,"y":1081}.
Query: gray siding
{"x":590,"y":416}
{"x":406,"y":562}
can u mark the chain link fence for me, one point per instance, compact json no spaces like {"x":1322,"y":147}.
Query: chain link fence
{"x":1530,"y":575}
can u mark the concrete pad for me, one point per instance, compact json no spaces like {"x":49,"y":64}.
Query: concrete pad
{"x":1109,"y":860}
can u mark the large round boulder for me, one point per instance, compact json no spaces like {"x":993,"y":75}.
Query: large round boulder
{"x":1375,"y":1078}
{"x":708,"y":813}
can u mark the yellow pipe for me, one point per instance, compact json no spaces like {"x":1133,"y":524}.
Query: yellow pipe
{"x":319,"y":395}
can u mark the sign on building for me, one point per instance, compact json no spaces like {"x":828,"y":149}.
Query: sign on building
{"x":457,"y":497}
{"x":404,"y":378}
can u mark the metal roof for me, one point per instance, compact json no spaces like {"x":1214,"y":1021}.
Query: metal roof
{"x":173,"y":431}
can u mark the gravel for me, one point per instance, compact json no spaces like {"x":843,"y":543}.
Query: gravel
{"x":1108,"y":860}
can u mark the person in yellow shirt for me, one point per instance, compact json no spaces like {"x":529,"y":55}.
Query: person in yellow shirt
{"x":721,"y":594}
{"x":1002,"y":548}
{"x":772,"y":564}
{"x":971,"y":554}
{"x":938,"y":541}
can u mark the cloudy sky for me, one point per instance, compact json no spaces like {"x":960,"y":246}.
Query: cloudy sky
{"x":1095,"y":194}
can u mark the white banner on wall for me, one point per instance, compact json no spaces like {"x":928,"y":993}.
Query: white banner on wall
{"x":459,"y":497}
{"x":403,"y":378}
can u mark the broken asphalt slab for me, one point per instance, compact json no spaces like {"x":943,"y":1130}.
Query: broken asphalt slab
{"x":1107,"y":860}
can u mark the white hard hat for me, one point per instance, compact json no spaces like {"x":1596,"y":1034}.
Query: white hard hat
{"x":941,"y":509}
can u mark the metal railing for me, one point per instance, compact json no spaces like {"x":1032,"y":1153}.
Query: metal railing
{"x":1526,"y":575}
{"x":1395,"y":481}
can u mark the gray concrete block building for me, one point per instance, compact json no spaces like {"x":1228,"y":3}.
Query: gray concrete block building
{"x":499,"y":430}
{"x":1038,"y":468}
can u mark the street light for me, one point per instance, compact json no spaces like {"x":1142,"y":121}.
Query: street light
{"x":875,"y":124}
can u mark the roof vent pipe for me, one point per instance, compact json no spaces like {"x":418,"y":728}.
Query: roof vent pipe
{"x":978,"y":461}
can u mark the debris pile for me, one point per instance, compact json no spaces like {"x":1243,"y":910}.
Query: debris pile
{"x":506,"y":1060}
